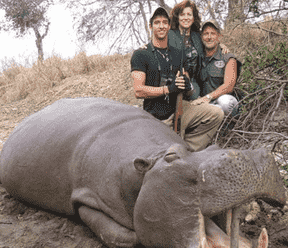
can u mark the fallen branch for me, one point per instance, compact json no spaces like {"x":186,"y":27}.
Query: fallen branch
{"x":254,"y":133}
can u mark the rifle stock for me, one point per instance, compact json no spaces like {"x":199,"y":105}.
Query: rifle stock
{"x":178,"y":111}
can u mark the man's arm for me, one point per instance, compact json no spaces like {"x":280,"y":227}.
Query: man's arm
{"x":230,"y":76}
{"x":143,"y":91}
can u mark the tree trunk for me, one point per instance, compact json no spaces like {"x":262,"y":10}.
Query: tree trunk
{"x":235,"y":10}
{"x":145,"y":20}
{"x":39,"y":45}
{"x":39,"y":40}
{"x":162,"y":4}
{"x":211,"y":11}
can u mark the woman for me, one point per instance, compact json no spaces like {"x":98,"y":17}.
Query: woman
{"x":185,"y":18}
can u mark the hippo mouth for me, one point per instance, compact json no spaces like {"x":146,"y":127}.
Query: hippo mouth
{"x":165,"y":216}
{"x":279,"y":205}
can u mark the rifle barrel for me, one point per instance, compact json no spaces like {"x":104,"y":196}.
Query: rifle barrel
{"x":179,"y":106}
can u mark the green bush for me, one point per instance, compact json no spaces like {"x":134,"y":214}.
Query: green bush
{"x":263,"y":86}
{"x":263,"y":66}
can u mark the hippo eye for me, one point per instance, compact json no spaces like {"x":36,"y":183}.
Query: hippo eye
{"x":170,"y":157}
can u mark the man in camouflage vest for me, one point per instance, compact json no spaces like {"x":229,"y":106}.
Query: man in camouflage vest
{"x":219,"y":71}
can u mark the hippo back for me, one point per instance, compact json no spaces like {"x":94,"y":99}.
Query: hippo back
{"x":42,"y":159}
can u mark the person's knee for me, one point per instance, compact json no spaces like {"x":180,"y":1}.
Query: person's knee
{"x":219,"y":113}
{"x":228,"y":103}
{"x":215,"y":112}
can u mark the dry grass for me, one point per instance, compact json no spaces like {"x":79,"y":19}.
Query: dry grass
{"x":18,"y":82}
{"x":242,"y":38}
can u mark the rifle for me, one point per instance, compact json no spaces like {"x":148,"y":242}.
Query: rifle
{"x":179,"y":105}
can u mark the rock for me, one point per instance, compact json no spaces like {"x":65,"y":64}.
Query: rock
{"x":285,"y":209}
{"x":254,"y":210}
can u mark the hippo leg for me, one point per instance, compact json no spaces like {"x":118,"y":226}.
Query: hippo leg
{"x":111,"y":233}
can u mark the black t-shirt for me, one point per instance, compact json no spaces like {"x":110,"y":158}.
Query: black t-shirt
{"x":164,"y":60}
{"x":144,"y":60}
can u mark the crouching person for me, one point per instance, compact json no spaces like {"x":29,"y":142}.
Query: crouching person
{"x":219,"y":71}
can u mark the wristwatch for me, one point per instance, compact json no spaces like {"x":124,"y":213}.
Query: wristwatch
{"x":209,"y":97}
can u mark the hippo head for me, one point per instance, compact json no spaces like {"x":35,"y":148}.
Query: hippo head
{"x":232,"y":177}
{"x":166,"y":212}
{"x":183,"y":184}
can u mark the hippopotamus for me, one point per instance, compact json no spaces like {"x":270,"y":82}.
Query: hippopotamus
{"x":129,"y":177}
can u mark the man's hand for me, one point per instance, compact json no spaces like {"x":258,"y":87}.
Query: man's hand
{"x":183,"y":82}
{"x":178,"y":85}
{"x":225,"y":49}
{"x":200,"y":100}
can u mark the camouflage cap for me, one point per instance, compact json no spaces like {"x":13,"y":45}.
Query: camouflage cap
{"x":211,"y":22}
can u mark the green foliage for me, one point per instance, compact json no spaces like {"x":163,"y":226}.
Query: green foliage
{"x":285,"y":167}
{"x":263,"y":86}
{"x":24,"y":14}
{"x":253,"y":7}
{"x":264,"y":63}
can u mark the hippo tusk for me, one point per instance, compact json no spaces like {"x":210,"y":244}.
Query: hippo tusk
{"x":202,"y":233}
{"x":228,"y":221}
{"x":234,"y":238}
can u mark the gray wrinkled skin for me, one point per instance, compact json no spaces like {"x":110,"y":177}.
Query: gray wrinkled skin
{"x":131,"y":179}
{"x":248,"y":174}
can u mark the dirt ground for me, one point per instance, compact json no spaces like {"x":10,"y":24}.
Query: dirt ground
{"x":22,"y":225}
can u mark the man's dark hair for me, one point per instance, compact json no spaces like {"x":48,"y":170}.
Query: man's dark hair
{"x":159,"y":12}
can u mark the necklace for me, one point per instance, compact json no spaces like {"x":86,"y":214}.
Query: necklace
{"x":165,"y":55}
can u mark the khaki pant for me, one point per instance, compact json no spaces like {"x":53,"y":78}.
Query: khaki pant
{"x":199,"y":123}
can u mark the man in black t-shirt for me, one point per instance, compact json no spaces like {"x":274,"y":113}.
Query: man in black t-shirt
{"x":156,"y":74}
{"x":154,"y":65}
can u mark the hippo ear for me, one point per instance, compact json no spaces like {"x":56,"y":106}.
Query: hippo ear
{"x":142,"y":164}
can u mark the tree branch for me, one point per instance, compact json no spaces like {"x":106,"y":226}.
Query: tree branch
{"x":259,"y":133}
{"x":46,"y":30}
{"x":270,"y":31}
{"x":162,"y":4}
{"x":123,"y":31}
{"x":145,"y":20}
